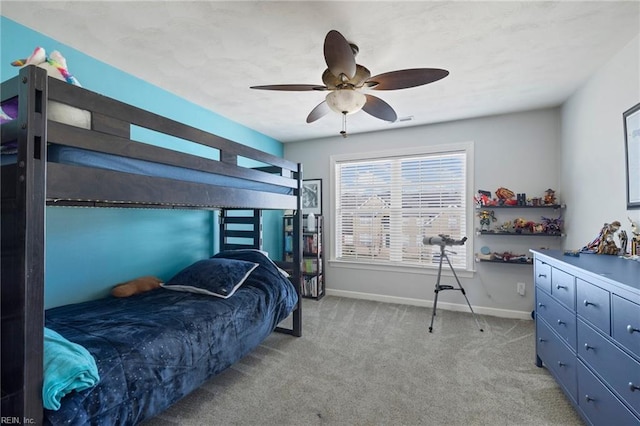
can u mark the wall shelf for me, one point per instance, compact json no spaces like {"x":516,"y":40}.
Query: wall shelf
{"x":542,"y":206}
{"x":528,"y":262}
{"x":509,"y":231}
{"x":515,"y":234}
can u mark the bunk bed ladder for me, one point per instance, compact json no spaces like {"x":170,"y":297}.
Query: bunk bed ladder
{"x":240,"y":229}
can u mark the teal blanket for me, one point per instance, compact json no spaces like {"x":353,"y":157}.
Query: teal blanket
{"x":67,"y":367}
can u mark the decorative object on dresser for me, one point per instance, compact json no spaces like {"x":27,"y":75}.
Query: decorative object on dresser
{"x":635,"y":241}
{"x":605,"y":242}
{"x":587,"y":313}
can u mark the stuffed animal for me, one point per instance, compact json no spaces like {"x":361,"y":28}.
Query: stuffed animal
{"x":55,"y":64}
{"x":136,"y":286}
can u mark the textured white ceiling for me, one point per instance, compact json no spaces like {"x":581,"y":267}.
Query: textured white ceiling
{"x":503,"y":56}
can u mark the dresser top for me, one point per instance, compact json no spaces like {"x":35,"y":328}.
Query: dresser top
{"x":612,"y":269}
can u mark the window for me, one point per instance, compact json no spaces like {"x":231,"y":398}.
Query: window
{"x":385,"y":204}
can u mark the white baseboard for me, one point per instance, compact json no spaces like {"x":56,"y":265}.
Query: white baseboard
{"x":501,"y":313}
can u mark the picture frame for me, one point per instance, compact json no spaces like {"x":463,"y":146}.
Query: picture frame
{"x":631,"y":119}
{"x":312,"y":196}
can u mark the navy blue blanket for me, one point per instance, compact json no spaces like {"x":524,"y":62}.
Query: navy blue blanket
{"x":154,"y":348}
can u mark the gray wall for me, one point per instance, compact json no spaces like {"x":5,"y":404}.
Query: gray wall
{"x":577,"y":149}
{"x":518,"y":151}
{"x":593,"y":158}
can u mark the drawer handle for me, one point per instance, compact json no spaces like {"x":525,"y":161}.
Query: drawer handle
{"x":632,"y":330}
{"x":560,"y":322}
{"x":561,"y":364}
{"x":541,"y":340}
{"x":633,"y":387}
{"x":561,"y":286}
{"x":588,"y":398}
{"x":587,"y":303}
{"x":541,"y":305}
{"x":542,"y":275}
{"x":587,"y":347}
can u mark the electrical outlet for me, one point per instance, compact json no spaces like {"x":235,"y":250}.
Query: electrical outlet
{"x":520,"y":288}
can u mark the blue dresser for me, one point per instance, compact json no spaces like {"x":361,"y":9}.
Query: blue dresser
{"x":587,"y":312}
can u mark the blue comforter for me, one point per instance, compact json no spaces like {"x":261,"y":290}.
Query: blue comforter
{"x":154,"y":348}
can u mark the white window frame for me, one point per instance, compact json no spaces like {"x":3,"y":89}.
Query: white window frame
{"x":466,"y":147}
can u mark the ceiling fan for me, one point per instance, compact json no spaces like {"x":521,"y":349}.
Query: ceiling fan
{"x":344,"y":79}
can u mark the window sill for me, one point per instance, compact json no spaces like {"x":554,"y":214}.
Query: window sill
{"x":404,"y":269}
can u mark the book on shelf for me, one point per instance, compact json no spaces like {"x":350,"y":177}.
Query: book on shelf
{"x":288,"y":243}
{"x":310,"y":244}
{"x":310,"y":266}
{"x":310,"y":286}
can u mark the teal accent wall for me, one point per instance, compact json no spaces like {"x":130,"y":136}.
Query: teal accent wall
{"x":90,"y":250}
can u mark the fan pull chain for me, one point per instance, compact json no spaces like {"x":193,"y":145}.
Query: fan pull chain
{"x":344,"y":125}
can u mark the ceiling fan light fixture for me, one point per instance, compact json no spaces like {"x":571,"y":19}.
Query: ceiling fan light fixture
{"x":346,"y":101}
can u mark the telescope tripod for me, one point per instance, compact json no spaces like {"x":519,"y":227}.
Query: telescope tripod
{"x":441,"y":287}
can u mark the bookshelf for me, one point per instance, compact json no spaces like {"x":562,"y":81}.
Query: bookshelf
{"x":312,"y":256}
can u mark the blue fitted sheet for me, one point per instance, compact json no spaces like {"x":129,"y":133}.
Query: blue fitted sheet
{"x":82,"y":157}
{"x":154,"y":348}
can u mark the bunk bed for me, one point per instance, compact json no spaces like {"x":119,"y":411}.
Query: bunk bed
{"x":60,"y":164}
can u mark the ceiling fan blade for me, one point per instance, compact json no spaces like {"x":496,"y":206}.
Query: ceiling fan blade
{"x":338,"y":55}
{"x":403,"y":79}
{"x":318,"y":112}
{"x":290,"y":87}
{"x":379,"y":109}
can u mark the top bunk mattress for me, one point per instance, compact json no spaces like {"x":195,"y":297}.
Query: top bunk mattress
{"x":83,"y":157}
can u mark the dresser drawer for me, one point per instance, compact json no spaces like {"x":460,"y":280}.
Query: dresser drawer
{"x":625,"y":327}
{"x":558,"y":359}
{"x":559,"y":318}
{"x":599,"y":404}
{"x":617,"y":369}
{"x":563,"y":288}
{"x":542,"y":275}
{"x":593,"y":305}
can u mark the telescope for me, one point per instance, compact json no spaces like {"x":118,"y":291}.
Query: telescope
{"x":442,"y":240}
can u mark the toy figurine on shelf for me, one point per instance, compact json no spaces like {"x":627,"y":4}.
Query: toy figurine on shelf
{"x":520,"y":224}
{"x":550,"y":196}
{"x":510,"y":257}
{"x":505,"y":227}
{"x":505,"y":197}
{"x":552,"y":226}
{"x":537,"y":228}
{"x":483,"y":198}
{"x":486,"y":217}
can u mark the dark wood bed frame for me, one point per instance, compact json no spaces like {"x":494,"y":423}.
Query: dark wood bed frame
{"x":33,"y":183}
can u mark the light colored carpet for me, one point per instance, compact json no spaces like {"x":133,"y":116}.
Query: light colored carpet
{"x":370,"y":363}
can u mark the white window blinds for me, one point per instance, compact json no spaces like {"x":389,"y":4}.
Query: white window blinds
{"x":385,"y":206}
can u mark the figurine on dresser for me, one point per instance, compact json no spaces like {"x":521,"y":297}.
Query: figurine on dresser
{"x":605,"y":243}
{"x":635,"y":241}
